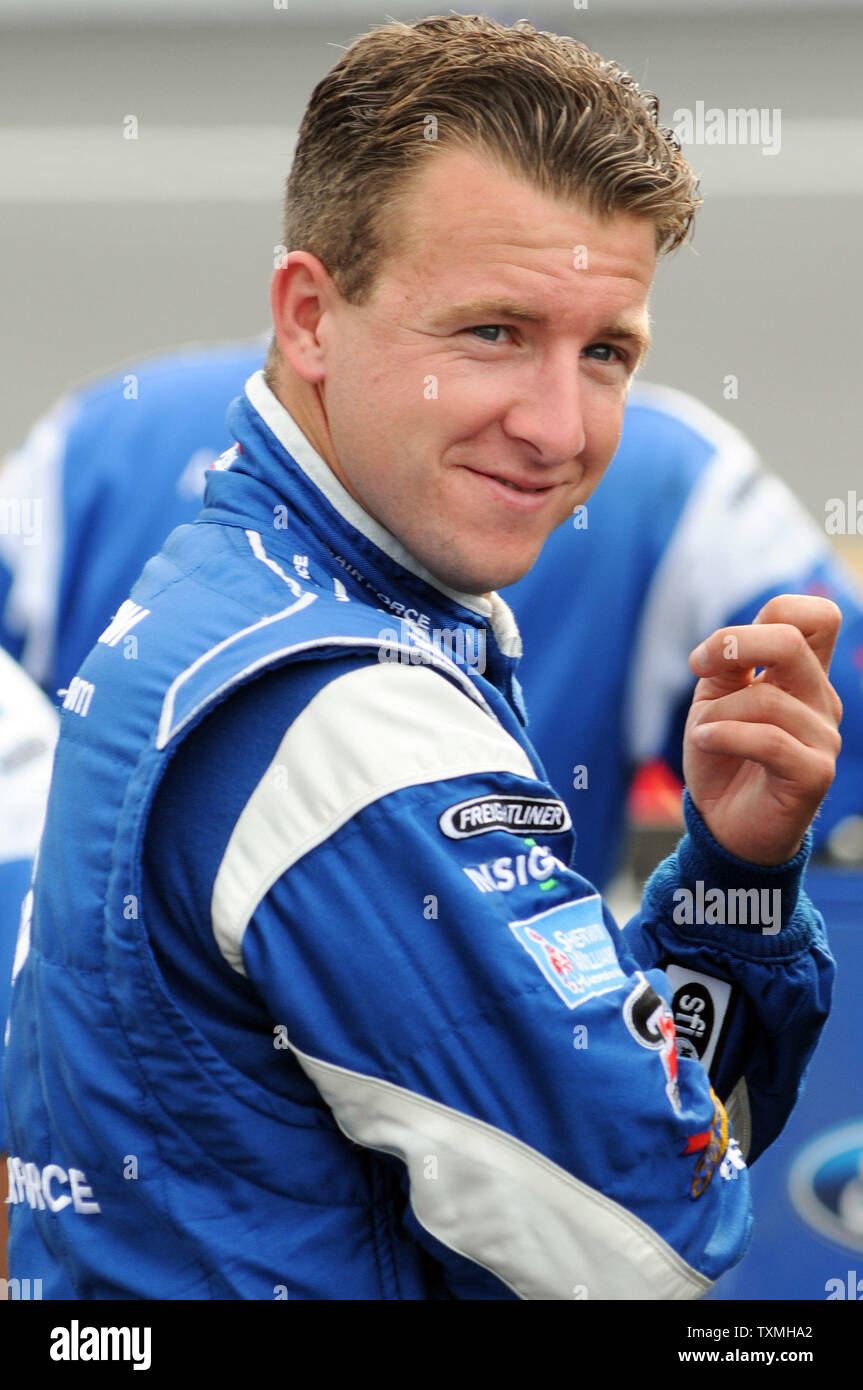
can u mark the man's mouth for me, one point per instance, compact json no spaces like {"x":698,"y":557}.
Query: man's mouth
{"x":510,"y":500}
{"x":521,"y":485}
{"x":518,"y":487}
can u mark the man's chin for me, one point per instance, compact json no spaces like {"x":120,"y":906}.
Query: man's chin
{"x":491,"y":577}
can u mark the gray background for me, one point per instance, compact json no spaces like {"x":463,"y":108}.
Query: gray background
{"x":111,"y":248}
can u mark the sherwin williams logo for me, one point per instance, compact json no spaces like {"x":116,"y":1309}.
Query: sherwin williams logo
{"x":571,"y":947}
{"x":826,"y":1185}
{"x":520,"y":814}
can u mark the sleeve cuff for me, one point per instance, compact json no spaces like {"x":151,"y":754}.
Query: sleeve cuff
{"x":682,"y":892}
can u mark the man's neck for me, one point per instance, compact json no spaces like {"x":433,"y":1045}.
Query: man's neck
{"x":305,"y":405}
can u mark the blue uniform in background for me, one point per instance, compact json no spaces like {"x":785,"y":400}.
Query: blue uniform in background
{"x":310,"y":1002}
{"x":685,"y":533}
{"x":28,"y":732}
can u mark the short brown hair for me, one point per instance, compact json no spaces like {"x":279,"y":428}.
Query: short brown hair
{"x":543,"y":105}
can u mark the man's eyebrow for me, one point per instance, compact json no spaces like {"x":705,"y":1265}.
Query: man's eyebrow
{"x":637,"y":333}
{"x":488,"y":310}
{"x":485,"y":310}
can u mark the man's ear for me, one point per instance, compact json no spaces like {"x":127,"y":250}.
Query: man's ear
{"x":301,"y":291}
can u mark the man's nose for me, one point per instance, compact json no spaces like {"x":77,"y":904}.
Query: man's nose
{"x":550,"y":413}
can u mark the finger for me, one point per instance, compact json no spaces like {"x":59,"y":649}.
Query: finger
{"x":810,"y":770}
{"x":825,"y":701}
{"x":761,"y":703}
{"x":728,"y":657}
{"x":819,"y":620}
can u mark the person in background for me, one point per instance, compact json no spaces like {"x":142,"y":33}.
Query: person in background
{"x":28,"y":732}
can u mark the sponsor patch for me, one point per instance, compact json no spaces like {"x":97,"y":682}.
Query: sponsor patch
{"x":651,"y":1022}
{"x":521,"y":814}
{"x":700,"y":1005}
{"x":538,"y":865}
{"x":711,"y":1147}
{"x":571,"y":946}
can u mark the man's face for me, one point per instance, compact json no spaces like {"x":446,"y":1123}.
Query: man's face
{"x":477,"y":397}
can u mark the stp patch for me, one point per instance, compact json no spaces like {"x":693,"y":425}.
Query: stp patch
{"x":651,"y":1022}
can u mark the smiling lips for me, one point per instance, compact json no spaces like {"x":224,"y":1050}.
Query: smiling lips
{"x":521,"y":489}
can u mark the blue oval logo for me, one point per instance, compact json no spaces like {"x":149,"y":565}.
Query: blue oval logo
{"x":825,"y":1185}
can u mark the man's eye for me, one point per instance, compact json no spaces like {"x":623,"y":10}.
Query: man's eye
{"x":491,"y":328}
{"x":616,"y":354}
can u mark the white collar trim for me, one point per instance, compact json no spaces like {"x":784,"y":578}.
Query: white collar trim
{"x":287,"y":431}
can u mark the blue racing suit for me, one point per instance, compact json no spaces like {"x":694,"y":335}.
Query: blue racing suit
{"x":309,"y":1002}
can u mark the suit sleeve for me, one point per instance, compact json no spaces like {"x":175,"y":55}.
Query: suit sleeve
{"x":467,"y":1007}
{"x":749,"y":972}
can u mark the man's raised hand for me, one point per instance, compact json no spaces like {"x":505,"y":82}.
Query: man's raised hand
{"x":759,"y":752}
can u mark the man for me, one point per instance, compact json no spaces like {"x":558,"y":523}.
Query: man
{"x":686,"y":533}
{"x":332,"y":1017}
